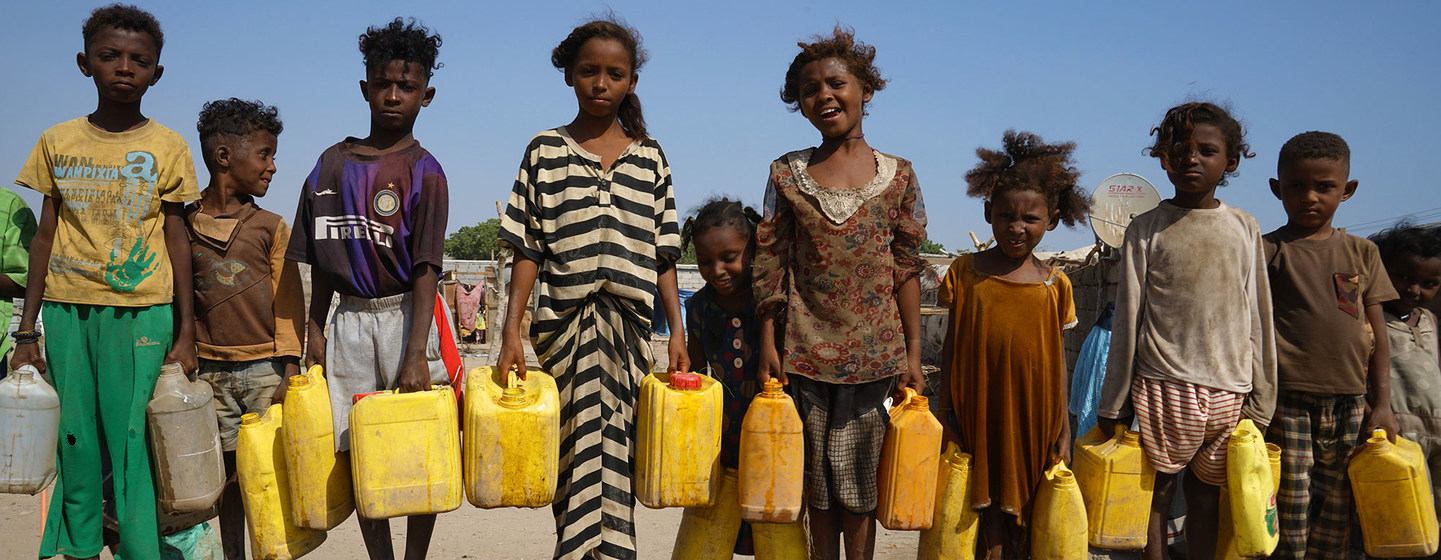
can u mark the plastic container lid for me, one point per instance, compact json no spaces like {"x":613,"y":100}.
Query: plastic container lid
{"x":685,"y":381}
{"x":772,"y":388}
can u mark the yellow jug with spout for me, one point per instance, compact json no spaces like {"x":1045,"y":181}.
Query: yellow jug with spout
{"x":1056,"y":530}
{"x":709,"y":532}
{"x":772,"y":458}
{"x":906,"y":497}
{"x":512,"y":438}
{"x":953,"y":532}
{"x":405,"y":453}
{"x":265,"y":490}
{"x":1116,"y":481}
{"x":678,"y":439}
{"x":320,"y":478}
{"x":1251,"y":492}
{"x":1394,"y":498}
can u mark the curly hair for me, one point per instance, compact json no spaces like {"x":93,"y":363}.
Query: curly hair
{"x":401,"y":40}
{"x":122,"y":16}
{"x":1314,"y":145}
{"x":720,"y":212}
{"x":564,"y":55}
{"x":1406,"y":239}
{"x":1028,"y":163}
{"x":1181,"y":120}
{"x":234,"y":118}
{"x":858,"y":57}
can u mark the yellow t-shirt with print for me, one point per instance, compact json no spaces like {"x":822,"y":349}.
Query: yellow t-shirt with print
{"x":109,"y":246}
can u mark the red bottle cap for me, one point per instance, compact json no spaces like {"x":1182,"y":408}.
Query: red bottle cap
{"x":685,"y":381}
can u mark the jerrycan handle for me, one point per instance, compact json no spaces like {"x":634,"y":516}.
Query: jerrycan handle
{"x":908,"y":394}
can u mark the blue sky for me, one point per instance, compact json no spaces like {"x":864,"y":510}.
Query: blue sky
{"x":1097,"y":73}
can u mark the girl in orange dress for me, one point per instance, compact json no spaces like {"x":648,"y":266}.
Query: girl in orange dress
{"x":1006,"y":375}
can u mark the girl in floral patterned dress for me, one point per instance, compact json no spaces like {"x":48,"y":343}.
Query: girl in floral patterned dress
{"x":836,"y":267}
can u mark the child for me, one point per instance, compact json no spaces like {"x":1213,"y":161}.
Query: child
{"x":110,"y":271}
{"x":1005,"y":354}
{"x":17,"y":229}
{"x":842,"y":276}
{"x":371,"y":222}
{"x":1326,"y":287}
{"x":593,"y":218}
{"x":721,"y":327}
{"x":249,"y":308}
{"x":1192,"y":344}
{"x":1412,"y":256}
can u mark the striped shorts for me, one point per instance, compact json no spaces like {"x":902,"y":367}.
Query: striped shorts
{"x":1186,"y":425}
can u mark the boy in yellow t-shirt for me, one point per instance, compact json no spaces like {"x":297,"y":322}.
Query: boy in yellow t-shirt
{"x":110,"y":270}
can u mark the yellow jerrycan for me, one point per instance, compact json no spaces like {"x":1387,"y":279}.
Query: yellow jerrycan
{"x":1116,"y":481}
{"x":678,"y":439}
{"x":512,"y":438}
{"x":780,"y":541}
{"x":1225,"y":527}
{"x":1251,"y":492}
{"x":265,"y":490}
{"x":772,"y":458}
{"x":709,"y":533}
{"x":321,"y":496}
{"x":405,"y":453}
{"x":1393,"y":498}
{"x":953,"y":533}
{"x":906,"y":492}
{"x":1056,"y":531}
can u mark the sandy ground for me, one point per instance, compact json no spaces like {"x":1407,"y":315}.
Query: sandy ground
{"x":468,"y":532}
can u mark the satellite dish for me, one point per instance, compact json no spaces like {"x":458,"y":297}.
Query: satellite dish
{"x":1119,"y":199}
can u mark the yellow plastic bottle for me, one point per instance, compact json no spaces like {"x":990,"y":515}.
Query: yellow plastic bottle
{"x":265,"y":490}
{"x":322,"y":497}
{"x":678,"y":439}
{"x":1225,"y":528}
{"x":1057,"y":532}
{"x":512,"y":438}
{"x":1251,"y":494}
{"x":1393,"y":498}
{"x":405,"y":453}
{"x":709,"y":533}
{"x":772,"y":458}
{"x":1116,"y":481}
{"x":906,"y":492}
{"x":780,"y":541}
{"x":953,"y":533}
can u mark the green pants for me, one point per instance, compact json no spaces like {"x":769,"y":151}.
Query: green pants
{"x":104,"y":362}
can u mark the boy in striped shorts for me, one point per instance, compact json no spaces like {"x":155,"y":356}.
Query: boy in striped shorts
{"x":1192,"y":344}
{"x":1328,"y":287}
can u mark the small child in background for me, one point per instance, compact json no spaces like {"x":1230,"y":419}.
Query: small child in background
{"x":371,"y":222}
{"x":721,"y":327}
{"x":17,"y":228}
{"x":1192,"y":343}
{"x":838,"y":261}
{"x":249,"y":307}
{"x":1326,"y":288}
{"x":1005,"y":357}
{"x":1412,"y":256}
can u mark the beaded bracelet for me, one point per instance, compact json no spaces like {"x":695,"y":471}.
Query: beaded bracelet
{"x":25,"y":336}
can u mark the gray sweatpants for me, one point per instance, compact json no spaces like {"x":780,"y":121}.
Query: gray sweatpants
{"x":364,"y":350}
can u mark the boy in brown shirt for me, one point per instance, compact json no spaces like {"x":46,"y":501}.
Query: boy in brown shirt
{"x":1326,"y":287}
{"x":249,"y":306}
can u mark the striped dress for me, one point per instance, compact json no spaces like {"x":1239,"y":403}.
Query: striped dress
{"x":599,"y":236}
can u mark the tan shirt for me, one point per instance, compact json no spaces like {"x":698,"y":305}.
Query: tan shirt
{"x":1320,"y":291}
{"x":1193,"y":306}
{"x":248,"y":299}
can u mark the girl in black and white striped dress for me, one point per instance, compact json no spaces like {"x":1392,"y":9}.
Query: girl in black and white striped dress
{"x":592,"y":218}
